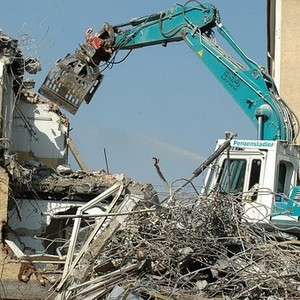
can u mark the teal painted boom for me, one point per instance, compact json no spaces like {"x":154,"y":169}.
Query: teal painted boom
{"x":250,"y":86}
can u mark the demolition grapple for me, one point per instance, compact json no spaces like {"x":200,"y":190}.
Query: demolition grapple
{"x":76,"y":77}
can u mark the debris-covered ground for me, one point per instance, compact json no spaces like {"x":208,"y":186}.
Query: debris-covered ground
{"x":135,"y":247}
{"x":193,"y":248}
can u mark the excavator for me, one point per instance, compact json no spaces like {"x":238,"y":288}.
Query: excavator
{"x":264,"y":171}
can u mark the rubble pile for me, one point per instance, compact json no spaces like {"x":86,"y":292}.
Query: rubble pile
{"x":57,"y":183}
{"x":195,"y":248}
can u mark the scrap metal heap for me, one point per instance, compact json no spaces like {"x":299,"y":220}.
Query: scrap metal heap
{"x":196,"y":248}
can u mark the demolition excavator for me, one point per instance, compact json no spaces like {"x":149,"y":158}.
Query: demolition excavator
{"x":264,"y":172}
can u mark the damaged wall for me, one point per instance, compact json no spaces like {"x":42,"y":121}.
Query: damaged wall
{"x":40,"y":134}
{"x":6,"y":97}
{"x":34,"y":231}
{"x":30,"y":129}
{"x":36,"y":129}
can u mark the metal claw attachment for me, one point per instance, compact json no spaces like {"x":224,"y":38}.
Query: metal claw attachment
{"x":70,"y":82}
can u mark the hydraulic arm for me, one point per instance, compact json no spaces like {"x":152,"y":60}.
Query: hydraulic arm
{"x":248,"y":83}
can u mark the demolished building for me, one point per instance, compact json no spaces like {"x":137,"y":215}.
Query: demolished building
{"x":36,"y":181}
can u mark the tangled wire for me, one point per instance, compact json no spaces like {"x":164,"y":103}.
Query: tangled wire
{"x":203,"y":248}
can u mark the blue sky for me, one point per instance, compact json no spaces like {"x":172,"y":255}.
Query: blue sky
{"x":159,"y":102}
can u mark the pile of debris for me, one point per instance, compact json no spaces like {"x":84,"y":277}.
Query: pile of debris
{"x":193,"y":248}
{"x":121,"y":242}
{"x":35,"y":178}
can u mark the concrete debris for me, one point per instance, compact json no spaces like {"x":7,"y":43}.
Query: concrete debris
{"x":32,"y":65}
{"x":33,"y":177}
{"x":118,"y":241}
{"x":200,"y":250}
{"x":27,"y":270}
{"x":80,"y":240}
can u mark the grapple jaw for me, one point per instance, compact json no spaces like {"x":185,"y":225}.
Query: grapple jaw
{"x":76,"y":78}
{"x":70,"y":82}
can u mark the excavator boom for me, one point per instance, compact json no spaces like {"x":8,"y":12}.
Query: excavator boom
{"x":77,"y":77}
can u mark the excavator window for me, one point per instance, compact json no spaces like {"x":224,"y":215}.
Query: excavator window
{"x":282,"y":171}
{"x":254,"y":178}
{"x":285,"y":172}
{"x":255,"y":172}
{"x":232,"y":176}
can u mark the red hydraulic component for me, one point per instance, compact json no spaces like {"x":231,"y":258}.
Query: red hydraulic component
{"x":92,"y":40}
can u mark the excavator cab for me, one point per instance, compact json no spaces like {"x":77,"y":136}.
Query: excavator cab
{"x":264,"y":176}
{"x":236,"y":171}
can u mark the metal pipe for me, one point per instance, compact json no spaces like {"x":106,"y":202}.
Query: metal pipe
{"x":210,"y":159}
{"x":145,"y":19}
{"x":102,"y":215}
{"x":259,"y":127}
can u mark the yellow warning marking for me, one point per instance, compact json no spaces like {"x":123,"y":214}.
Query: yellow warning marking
{"x":200,"y":52}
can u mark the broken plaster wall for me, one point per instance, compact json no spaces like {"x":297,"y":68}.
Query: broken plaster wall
{"x":40,"y":134}
{"x":29,"y":125}
{"x":32,"y":230}
{"x":32,"y":129}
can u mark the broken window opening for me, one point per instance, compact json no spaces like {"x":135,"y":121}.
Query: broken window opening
{"x":59,"y":231}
